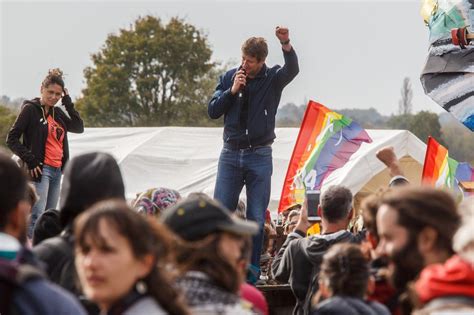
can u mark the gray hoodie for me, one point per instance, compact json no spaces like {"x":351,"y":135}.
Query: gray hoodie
{"x":298,"y":262}
{"x":345,"y":305}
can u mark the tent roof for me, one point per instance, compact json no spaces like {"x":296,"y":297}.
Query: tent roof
{"x":185,"y":158}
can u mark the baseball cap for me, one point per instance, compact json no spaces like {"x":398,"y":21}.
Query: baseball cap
{"x":198,"y":216}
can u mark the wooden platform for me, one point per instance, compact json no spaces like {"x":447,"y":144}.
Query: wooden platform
{"x":280,"y":299}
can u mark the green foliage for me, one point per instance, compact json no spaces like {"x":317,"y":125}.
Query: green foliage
{"x":7,"y":118}
{"x":367,"y":118}
{"x":460,"y":142}
{"x":423,"y":124}
{"x":399,"y":122}
{"x":14,"y":104}
{"x":150,"y":75}
{"x":290,"y":115}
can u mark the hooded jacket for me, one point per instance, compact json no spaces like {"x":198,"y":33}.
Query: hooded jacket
{"x":447,"y":287}
{"x":264,"y":93}
{"x":345,"y":305}
{"x":88,"y":178}
{"x":30,"y":124}
{"x":298,"y":263}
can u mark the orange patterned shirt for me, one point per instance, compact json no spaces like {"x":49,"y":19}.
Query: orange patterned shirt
{"x":53,"y":154}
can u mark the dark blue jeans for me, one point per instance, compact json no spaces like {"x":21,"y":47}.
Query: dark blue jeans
{"x":252,"y":168}
{"x":48,"y":193}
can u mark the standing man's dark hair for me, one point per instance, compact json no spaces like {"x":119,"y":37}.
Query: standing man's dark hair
{"x":248,"y":97}
{"x":255,"y":47}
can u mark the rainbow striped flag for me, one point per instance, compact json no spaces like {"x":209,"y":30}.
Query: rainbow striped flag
{"x":325,"y":142}
{"x":440,"y":170}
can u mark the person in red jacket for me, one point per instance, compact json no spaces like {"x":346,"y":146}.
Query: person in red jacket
{"x":449,"y":287}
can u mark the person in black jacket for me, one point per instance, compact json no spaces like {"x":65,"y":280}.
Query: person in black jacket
{"x":343,"y":283}
{"x":44,"y":149}
{"x":88,"y":178}
{"x":248,"y":97}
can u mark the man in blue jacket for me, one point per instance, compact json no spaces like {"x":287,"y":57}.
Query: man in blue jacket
{"x":248,"y":97}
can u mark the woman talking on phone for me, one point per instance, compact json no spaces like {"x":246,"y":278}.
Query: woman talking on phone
{"x":44,"y":149}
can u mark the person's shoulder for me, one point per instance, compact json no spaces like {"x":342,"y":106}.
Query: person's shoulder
{"x":146,"y":305}
{"x":379,"y":308}
{"x":54,"y":299}
{"x":333,"y":305}
{"x":229,"y":74}
{"x":52,"y":247}
{"x":29,"y":105}
{"x":350,"y":305}
{"x":254,"y":296}
{"x":297,"y":242}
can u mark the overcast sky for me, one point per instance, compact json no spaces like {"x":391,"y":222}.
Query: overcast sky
{"x":352,"y":54}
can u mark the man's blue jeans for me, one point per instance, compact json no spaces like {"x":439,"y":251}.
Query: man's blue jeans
{"x":48,"y":193}
{"x":252,"y":168}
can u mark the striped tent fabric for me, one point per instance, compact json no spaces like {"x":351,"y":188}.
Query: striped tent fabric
{"x":448,"y":75}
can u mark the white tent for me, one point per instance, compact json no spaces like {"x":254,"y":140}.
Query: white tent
{"x":185,"y":158}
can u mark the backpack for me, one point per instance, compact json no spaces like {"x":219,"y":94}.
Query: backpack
{"x":13,"y":277}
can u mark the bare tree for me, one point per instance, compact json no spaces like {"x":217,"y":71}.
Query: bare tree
{"x":404,"y":104}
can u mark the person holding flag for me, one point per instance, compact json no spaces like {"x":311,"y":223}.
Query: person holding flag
{"x":248,"y":97}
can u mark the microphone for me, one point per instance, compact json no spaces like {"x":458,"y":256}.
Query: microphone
{"x":242,"y":87}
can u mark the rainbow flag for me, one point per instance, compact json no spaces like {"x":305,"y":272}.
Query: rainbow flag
{"x":325,"y":142}
{"x":440,"y":170}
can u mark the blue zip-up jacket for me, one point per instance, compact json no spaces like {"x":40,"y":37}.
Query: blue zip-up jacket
{"x":264,"y":97}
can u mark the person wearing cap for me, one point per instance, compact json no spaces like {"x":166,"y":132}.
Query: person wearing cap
{"x":210,"y":264}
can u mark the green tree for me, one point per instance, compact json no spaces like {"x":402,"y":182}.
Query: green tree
{"x":400,"y":121}
{"x":150,"y":75}
{"x":460,"y":142}
{"x":423,"y":124}
{"x":7,"y":118}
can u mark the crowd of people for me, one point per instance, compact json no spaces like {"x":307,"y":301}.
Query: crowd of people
{"x":165,"y":254}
